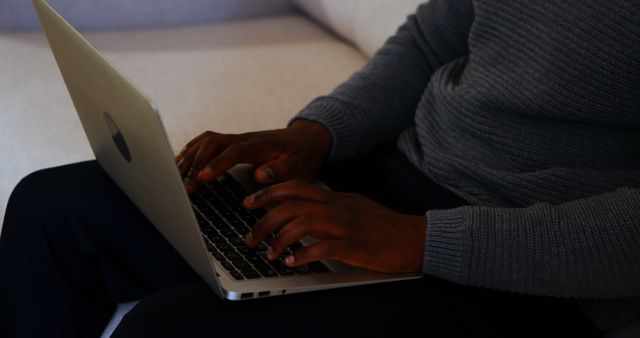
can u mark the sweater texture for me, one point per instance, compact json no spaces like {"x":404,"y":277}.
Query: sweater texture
{"x":529,"y":110}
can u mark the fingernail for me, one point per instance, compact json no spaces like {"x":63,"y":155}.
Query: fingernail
{"x":289,"y":260}
{"x":248,"y":237}
{"x":205,"y":173}
{"x":270,"y":253}
{"x":249,"y":199}
{"x":268,"y":174}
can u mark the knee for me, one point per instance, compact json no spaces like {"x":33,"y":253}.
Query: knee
{"x":23,"y":204}
{"x":34,"y":194}
{"x":47,"y":185}
{"x":30,"y":187}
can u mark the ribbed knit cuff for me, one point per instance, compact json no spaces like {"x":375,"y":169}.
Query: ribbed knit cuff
{"x":444,"y":246}
{"x":335,"y":117}
{"x":609,"y":314}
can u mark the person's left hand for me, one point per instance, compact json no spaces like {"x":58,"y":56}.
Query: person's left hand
{"x":351,"y":228}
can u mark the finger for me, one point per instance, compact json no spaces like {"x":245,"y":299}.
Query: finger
{"x":278,"y":217}
{"x":195,"y":140}
{"x":323,"y":250}
{"x":308,"y":225}
{"x":244,"y":152}
{"x":189,"y":146}
{"x":278,"y":170}
{"x":187,"y":159}
{"x":207,"y":149}
{"x":278,"y":193}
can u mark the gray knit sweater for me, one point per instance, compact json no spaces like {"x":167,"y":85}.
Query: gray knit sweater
{"x":529,"y":110}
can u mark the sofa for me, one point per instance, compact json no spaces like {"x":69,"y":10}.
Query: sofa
{"x":225,"y":65}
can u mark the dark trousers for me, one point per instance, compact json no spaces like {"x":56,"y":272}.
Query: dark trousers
{"x":73,"y":246}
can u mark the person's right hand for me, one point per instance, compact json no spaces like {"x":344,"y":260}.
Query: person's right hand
{"x":295,"y":152}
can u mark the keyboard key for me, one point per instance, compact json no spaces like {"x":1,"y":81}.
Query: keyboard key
{"x":226,"y":213}
{"x":216,"y":221}
{"x":245,"y":250}
{"x":265,"y":270}
{"x":234,"y":186}
{"x":282,"y":268}
{"x":208,"y":230}
{"x":221,"y":191}
{"x":248,"y":218}
{"x":200,"y":219}
{"x":253,"y":258}
{"x":241,"y":264}
{"x":228,"y":233}
{"x":235,"y":221}
{"x":225,"y":247}
{"x":250,"y":273}
{"x":227,"y":265}
{"x":236,"y":275}
{"x":217,"y":255}
{"x":237,"y":242}
{"x":204,"y":191}
{"x":233,"y":256}
{"x":205,"y":209}
{"x":216,"y":238}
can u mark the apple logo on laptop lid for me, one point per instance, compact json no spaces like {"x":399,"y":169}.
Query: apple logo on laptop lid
{"x":117,"y":137}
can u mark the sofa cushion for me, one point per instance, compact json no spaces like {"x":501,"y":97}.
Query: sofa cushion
{"x":366,"y":23}
{"x":101,"y":14}
{"x":229,"y":77}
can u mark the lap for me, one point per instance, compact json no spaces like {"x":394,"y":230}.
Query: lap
{"x":137,"y":262}
{"x":426,"y":307}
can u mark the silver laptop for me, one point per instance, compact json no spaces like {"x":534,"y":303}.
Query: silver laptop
{"x":206,"y":228}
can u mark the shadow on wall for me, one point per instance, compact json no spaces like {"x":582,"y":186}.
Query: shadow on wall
{"x":365,"y":23}
{"x":109,"y":14}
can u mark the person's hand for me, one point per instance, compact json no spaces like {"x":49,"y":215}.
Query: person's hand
{"x":294,"y":152}
{"x":351,"y":228}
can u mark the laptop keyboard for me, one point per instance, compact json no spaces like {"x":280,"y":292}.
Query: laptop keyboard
{"x":224,"y":222}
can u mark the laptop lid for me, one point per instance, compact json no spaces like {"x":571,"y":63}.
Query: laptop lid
{"x":128,"y":140}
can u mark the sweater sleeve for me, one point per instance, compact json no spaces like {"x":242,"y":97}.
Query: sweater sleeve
{"x":588,"y":248}
{"x":379,"y":101}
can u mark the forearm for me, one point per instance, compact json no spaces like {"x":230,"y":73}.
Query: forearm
{"x":379,"y":101}
{"x":588,"y":248}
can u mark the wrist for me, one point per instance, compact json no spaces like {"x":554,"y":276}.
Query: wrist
{"x":413,"y":242}
{"x":316,"y":131}
{"x":420,"y":240}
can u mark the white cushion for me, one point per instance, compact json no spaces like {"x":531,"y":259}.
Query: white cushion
{"x":120,"y":312}
{"x":229,"y":77}
{"x":366,"y":23}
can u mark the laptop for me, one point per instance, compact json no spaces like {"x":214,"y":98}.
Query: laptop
{"x":206,"y":228}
